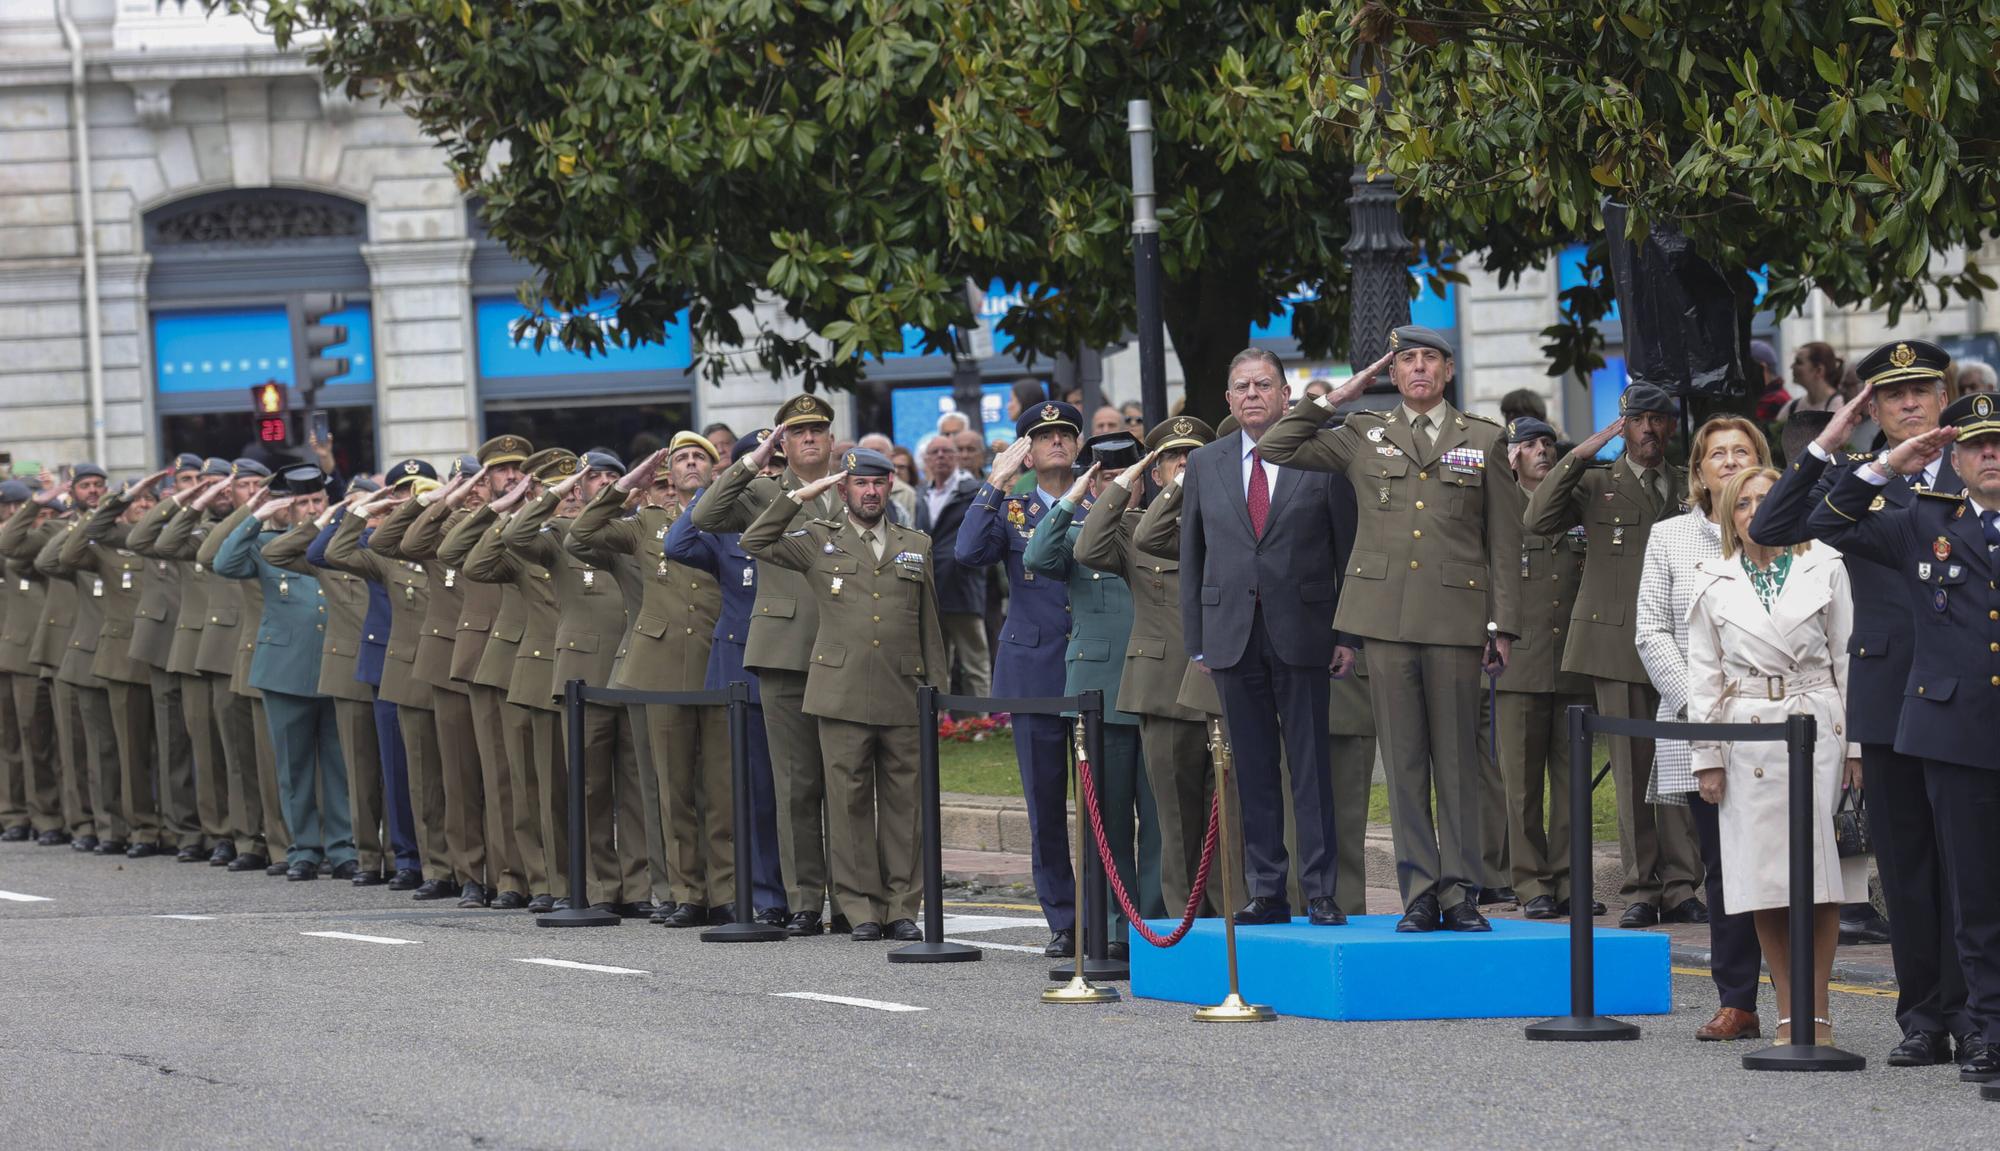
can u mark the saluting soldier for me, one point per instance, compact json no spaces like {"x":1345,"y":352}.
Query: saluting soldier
{"x":878,"y":640}
{"x":31,"y":709}
{"x":21,"y":540}
{"x":781,"y":639}
{"x":1437,"y":502}
{"x":96,"y":772}
{"x":1947,"y":548}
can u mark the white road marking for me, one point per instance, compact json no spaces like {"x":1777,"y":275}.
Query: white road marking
{"x":356,"y":938}
{"x":184,"y":917}
{"x":983,"y":945}
{"x":848,"y":1000}
{"x":17,"y":897}
{"x":585,"y":966}
{"x":966,"y":924}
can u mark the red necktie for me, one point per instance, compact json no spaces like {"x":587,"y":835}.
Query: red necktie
{"x":1260,"y":494}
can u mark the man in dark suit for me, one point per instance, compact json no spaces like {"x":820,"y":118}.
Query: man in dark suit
{"x":1261,"y":552}
{"x":1905,"y":400}
{"x":961,"y":588}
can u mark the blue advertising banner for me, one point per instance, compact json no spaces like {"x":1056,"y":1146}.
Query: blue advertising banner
{"x":219,"y":349}
{"x":501,"y":355}
{"x":914,"y":412}
{"x":1000,"y":298}
{"x":1428,"y":308}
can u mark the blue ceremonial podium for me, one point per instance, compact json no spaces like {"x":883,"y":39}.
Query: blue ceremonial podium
{"x":1365,"y":970}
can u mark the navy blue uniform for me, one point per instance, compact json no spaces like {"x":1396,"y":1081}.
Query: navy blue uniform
{"x":1930,"y":988}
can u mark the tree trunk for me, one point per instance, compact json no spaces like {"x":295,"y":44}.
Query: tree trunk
{"x":1208,"y":317}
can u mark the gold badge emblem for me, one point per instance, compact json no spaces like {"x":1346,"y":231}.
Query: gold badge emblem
{"x":1903,"y":356}
{"x":509,"y":444}
{"x":1050,"y":412}
{"x":850,"y":461}
{"x":1395,"y":339}
{"x":410,"y":468}
{"x":1183,"y":427}
{"x":1877,"y":504}
{"x":1982,"y":406}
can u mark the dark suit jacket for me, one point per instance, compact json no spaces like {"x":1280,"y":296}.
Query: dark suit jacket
{"x":960,"y":587}
{"x":1293,"y":571}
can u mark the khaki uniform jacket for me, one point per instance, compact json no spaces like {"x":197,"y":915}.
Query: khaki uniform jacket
{"x":96,"y":551}
{"x":879,"y":637}
{"x":533,"y":679}
{"x":241,"y":635}
{"x":669,"y":641}
{"x":171,"y":576}
{"x":409,"y":598}
{"x":20,"y":542}
{"x":446,"y":606}
{"x":1618,"y":518}
{"x":26,"y":595}
{"x":499,"y":634}
{"x":159,"y":592}
{"x":80,"y":644}
{"x":592,"y":618}
{"x":1552,"y":568}
{"x":1438,"y":535}
{"x":344,"y":603}
{"x":1155,"y":660}
{"x":183,"y":538}
{"x":784,"y":621}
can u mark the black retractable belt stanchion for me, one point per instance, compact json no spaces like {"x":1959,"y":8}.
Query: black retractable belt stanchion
{"x":934,"y":948}
{"x":1803,"y":1053}
{"x":579,"y":912}
{"x":1093,"y":891}
{"x":1583,"y":1024}
{"x":744,"y":928}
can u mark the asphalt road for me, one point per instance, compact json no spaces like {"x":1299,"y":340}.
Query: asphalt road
{"x":122,"y":1029}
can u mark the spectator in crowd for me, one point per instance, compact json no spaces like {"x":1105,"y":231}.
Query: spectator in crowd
{"x":1523,"y":402}
{"x":952,"y":422}
{"x":1025,"y":394}
{"x":1778,"y":618}
{"x":1772,"y":395}
{"x":1134,"y":414}
{"x":1315,"y":388}
{"x":1668,"y":582}
{"x":1105,"y":420}
{"x":961,"y":590}
{"x":971,"y":451}
{"x":1975,"y":376}
{"x":718,"y":434}
{"x":902,"y":493}
{"x":906,"y":465}
{"x":1817,"y":370}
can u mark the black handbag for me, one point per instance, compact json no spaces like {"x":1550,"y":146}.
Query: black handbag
{"x":1850,"y":824}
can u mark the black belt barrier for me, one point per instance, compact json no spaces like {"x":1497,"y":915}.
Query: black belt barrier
{"x":1583,"y":1024}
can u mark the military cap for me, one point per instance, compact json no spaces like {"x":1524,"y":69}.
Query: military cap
{"x":1048,"y":414}
{"x":550,"y":464}
{"x":1901,"y":360}
{"x":804,"y":409}
{"x":696,"y":440}
{"x":866,"y":462}
{"x":187,"y":462}
{"x":1640,"y":398}
{"x":747,"y":444}
{"x":1974,"y":416}
{"x":1112,"y":451}
{"x":504,"y":450}
{"x":1418,"y":336}
{"x":364,"y":484}
{"x":81,"y":470}
{"x":1178,"y":432}
{"x":1227,"y":426}
{"x":245,"y":466}
{"x":599,"y":460}
{"x":303,"y":479}
{"x":14,"y":492}
{"x":1522,"y":429}
{"x":464,"y":465}
{"x":215,"y":466}
{"x":409,"y":472}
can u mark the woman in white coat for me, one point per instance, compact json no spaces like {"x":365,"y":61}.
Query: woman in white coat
{"x":1767,"y":639}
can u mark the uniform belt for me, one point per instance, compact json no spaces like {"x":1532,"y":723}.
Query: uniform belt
{"x":1779,"y":686}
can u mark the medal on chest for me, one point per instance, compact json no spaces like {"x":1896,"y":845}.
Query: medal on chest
{"x":125,"y":581}
{"x":97,"y":588}
{"x":663,"y":567}
{"x":285,"y":586}
{"x":835,"y":587}
{"x":750,"y":576}
{"x":451,"y":577}
{"x":1941,"y":548}
{"x":589,"y":578}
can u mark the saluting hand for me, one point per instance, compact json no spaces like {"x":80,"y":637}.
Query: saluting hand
{"x":813,"y":489}
{"x":1082,"y":484}
{"x":1916,"y":453}
{"x":561,"y":487}
{"x":1601,"y":437}
{"x":1358,"y":382}
{"x":459,"y":491}
{"x":513,"y":495}
{"x":760,"y":456}
{"x":147,"y":481}
{"x":1130,"y":476}
{"x":263,"y":512}
{"x":1007,"y":465}
{"x":1848,"y":417}
{"x":637,"y":476}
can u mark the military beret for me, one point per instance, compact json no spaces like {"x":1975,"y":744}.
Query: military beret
{"x":550,"y":464}
{"x":1050,"y":414}
{"x":1524,"y":428}
{"x":1178,"y":432}
{"x":245,"y":466}
{"x":504,"y":450}
{"x":866,"y":462}
{"x":215,"y":466}
{"x":81,"y":470}
{"x":1974,"y":416}
{"x":465,"y":465}
{"x":364,"y":484}
{"x":303,"y":479}
{"x":187,"y":462}
{"x":1112,"y":451}
{"x":803,"y":409}
{"x":14,"y":492}
{"x":1640,"y":398}
{"x":1418,"y":336}
{"x":599,"y":460}
{"x":747,"y":444}
{"x":1893,"y":363}
{"x":409,"y":472}
{"x":695,"y":440}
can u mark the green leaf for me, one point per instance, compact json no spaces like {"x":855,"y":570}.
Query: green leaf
{"x":1829,"y":69}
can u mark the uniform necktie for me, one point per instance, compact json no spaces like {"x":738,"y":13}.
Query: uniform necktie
{"x":874,"y":543}
{"x":1991,"y":522}
{"x":1422,"y":427}
{"x":1260,"y":494}
{"x":1651,"y":478}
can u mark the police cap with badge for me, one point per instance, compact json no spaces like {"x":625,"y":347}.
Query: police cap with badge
{"x":298,"y":480}
{"x":550,"y":464}
{"x":1049,"y":414}
{"x":508,"y":449}
{"x":1903,"y":361}
{"x":410,"y":472}
{"x":1111,"y":453}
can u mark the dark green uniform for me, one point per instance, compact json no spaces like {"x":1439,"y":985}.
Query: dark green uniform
{"x":30,"y":702}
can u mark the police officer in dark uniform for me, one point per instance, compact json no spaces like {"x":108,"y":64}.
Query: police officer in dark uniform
{"x":1947,"y":550}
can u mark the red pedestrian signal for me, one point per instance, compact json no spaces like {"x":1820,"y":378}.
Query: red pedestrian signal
{"x":272,"y":405}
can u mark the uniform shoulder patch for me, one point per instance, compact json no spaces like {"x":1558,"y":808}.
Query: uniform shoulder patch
{"x":1953,"y":497}
{"x":1489,"y":420}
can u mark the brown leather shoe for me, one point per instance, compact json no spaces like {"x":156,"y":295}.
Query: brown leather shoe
{"x":1730,"y":1023}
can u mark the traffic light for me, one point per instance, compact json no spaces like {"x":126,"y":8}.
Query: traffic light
{"x":273,"y":407}
{"x":315,"y":337}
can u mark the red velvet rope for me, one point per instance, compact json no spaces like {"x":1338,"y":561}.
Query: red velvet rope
{"x":1089,"y":788}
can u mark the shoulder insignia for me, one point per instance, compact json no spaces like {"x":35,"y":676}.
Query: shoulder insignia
{"x":1859,"y":457}
{"x":1483,"y":419}
{"x":1953,"y":497}
{"x":799,"y":532}
{"x":1371,"y":414}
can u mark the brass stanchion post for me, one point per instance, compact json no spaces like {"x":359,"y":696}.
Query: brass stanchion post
{"x":1232,"y":1009}
{"x":1079,"y":989}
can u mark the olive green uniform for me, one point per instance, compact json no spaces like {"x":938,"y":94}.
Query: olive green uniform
{"x":234,"y":790}
{"x":93,"y":772}
{"x":31,"y":704}
{"x":157,"y":638}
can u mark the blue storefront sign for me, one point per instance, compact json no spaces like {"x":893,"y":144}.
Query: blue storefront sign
{"x":221,"y":349}
{"x":1000,"y":298}
{"x":914,"y":413}
{"x":504,"y":355}
{"x":1428,"y":308}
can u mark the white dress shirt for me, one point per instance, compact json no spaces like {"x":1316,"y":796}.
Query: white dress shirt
{"x":1875,"y":477}
{"x":936,"y":497}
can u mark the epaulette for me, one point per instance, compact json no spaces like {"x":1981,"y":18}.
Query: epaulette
{"x":1383,"y":414}
{"x":1859,"y":457}
{"x":1955,"y":497}
{"x":1483,"y":419}
{"x":831,"y":525}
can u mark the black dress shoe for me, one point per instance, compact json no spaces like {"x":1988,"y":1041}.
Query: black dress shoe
{"x":906,"y":931}
{"x":84,"y":843}
{"x":1639,"y":915}
{"x":509,"y":901}
{"x":1983,"y":1067}
{"x":406,"y":879}
{"x":1465,"y":917}
{"x":1969,"y":1048}
{"x":15,"y":834}
{"x":722,"y":913}
{"x":1119,"y":949}
{"x":1689,"y":910}
{"x":278,"y":867}
{"x":1921,"y":1049}
{"x":772,"y":917}
{"x":560,"y":904}
{"x":112,"y":847}
{"x":838,"y":925}
{"x":1263,"y":910}
{"x":368,"y":879}
{"x":1492,"y":895}
{"x":686,"y":915}
{"x":142,"y":851}
{"x":1540,"y":907}
{"x":435,"y":889}
{"x":223,"y":853}
{"x":248,"y":861}
{"x":541,"y":905}
{"x":1422,"y":915}
{"x":347,"y":870}
{"x":52,"y":839}
{"x":804,"y":923}
{"x":1596,"y":908}
{"x":190,"y":854}
{"x":473,"y":895}
{"x":867,"y":931}
{"x":1326,"y":912}
{"x":639,"y":910}
{"x":1062,"y":945}
{"x":1865,"y":926}
{"x":303,"y":869}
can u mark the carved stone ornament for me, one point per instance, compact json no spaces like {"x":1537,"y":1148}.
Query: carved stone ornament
{"x":256,"y":222}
